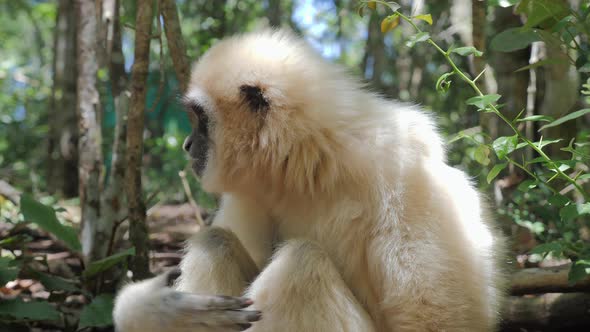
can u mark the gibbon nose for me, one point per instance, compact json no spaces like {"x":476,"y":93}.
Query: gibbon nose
{"x":188,"y":141}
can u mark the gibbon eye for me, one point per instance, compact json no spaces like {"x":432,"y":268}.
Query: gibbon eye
{"x":254,"y":97}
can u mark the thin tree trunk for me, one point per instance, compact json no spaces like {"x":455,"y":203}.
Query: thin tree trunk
{"x":113,"y":201}
{"x":176,"y":45}
{"x":175,"y":42}
{"x":89,"y":145}
{"x":562,"y":81}
{"x":273,"y":13}
{"x":138,"y":232}
{"x":63,"y":131}
{"x":374,"y":61}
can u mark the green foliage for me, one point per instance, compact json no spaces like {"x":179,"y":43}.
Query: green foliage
{"x":98,"y":313}
{"x":32,"y":310}
{"x":553,"y":22}
{"x":106,"y":263}
{"x":45,"y":217}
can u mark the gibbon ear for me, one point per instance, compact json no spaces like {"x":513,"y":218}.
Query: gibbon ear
{"x":254,"y":97}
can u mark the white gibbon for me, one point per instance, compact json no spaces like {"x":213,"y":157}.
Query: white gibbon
{"x":339,"y":211}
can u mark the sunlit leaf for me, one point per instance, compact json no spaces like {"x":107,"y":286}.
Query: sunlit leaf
{"x":467,"y":50}
{"x":481,"y":155}
{"x":504,"y":145}
{"x":543,"y":118}
{"x":569,"y":117}
{"x":495,"y":171}
{"x":424,"y":17}
{"x":418,"y":38}
{"x":394,"y":6}
{"x":482,"y":102}
{"x":389,"y":23}
{"x":372,"y":5}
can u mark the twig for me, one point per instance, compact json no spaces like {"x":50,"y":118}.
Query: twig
{"x":191,"y":200}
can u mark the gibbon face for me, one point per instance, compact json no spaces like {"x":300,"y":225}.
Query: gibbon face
{"x":260,"y":101}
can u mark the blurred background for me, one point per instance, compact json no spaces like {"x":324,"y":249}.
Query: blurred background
{"x":535,"y":55}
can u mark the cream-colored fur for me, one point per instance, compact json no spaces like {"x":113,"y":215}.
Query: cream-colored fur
{"x":375,"y":230}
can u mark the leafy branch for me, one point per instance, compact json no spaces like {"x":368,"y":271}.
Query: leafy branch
{"x":486,"y":103}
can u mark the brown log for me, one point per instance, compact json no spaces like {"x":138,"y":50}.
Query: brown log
{"x":548,"y":312}
{"x":546,"y":280}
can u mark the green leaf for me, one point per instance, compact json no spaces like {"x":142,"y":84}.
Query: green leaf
{"x":513,"y":39}
{"x":495,"y":171}
{"x":389,"y":23}
{"x":584,"y":208}
{"x":553,"y":247}
{"x":106,"y":263}
{"x":8,"y":270}
{"x":44,"y":216}
{"x":34,"y":310}
{"x":566,"y":118}
{"x":98,"y":313}
{"x":467,"y":50}
{"x":504,"y":145}
{"x":394,"y":6}
{"x":543,"y":143}
{"x":442,"y":84}
{"x":418,"y":38}
{"x":544,"y":118}
{"x":568,"y":212}
{"x":425,"y":17}
{"x":481,"y":102}
{"x":558,"y":200}
{"x":55,"y":283}
{"x":544,"y":63}
{"x":578,"y":271}
{"x":481,"y":155}
{"x":527,"y":185}
{"x":539,"y":11}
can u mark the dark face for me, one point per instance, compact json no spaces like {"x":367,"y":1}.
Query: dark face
{"x":197,"y":143}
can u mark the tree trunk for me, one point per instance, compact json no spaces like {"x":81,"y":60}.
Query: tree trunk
{"x":562,"y":82}
{"x":175,"y":42}
{"x":89,"y":145}
{"x":374,"y":62}
{"x":138,"y":232}
{"x":273,"y":13}
{"x":63,"y":132}
{"x":176,"y":45}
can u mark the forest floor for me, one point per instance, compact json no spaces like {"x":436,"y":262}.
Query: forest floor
{"x":169,"y":226}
